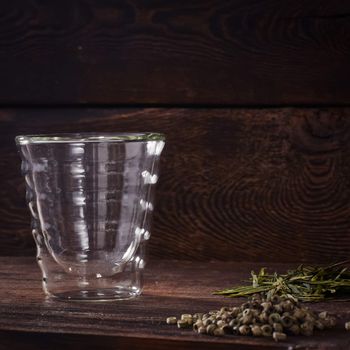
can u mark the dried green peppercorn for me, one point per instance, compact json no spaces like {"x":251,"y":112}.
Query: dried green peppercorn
{"x":256,"y":331}
{"x":294,"y":329}
{"x":307,"y":329}
{"x":299,"y":313}
{"x":274,"y":318}
{"x":267,"y":306}
{"x":278,"y":336}
{"x":234,"y":312}
{"x":264,"y":317}
{"x":185,"y":316}
{"x":275,"y":299}
{"x":197,"y":325}
{"x":323,"y":314}
{"x":287,"y":321}
{"x":218,"y":332}
{"x":207,"y":322}
{"x":244,"y":330}
{"x":247,"y":319}
{"x":247,"y":312}
{"x":258,"y":317}
{"x":211,"y":328}
{"x":171,"y":320}
{"x":220,"y":323}
{"x":266,"y":330}
{"x":235,"y":322}
{"x":278,"y":308}
{"x":202,"y":330}
{"x":277,"y":327}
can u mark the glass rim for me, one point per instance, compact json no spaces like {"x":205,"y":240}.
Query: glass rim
{"x":89,"y":137}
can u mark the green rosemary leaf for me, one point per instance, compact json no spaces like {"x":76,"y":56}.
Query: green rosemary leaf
{"x":305,"y":283}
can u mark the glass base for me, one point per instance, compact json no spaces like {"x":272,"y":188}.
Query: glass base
{"x":97,"y":294}
{"x":60,"y":285}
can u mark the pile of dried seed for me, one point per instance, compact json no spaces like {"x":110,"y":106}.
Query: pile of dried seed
{"x":276,"y":317}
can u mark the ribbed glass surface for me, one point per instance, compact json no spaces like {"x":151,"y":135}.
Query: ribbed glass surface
{"x":91,"y":199}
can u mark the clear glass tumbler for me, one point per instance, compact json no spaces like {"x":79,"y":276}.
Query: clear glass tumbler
{"x":91,"y":201}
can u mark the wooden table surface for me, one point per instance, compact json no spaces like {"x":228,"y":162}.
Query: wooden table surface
{"x":28,"y":320}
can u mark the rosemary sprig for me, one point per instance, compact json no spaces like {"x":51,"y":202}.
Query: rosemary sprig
{"x":305,"y":283}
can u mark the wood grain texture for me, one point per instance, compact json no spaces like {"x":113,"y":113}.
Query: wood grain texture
{"x":179,"y":52}
{"x":40,"y":341}
{"x":235,"y":184}
{"x":171,"y":288}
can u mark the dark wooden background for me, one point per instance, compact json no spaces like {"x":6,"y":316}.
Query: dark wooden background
{"x":271,"y":52}
{"x":252,"y":95}
{"x":240,"y":184}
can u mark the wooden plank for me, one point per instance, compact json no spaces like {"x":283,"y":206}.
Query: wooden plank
{"x":235,"y":184}
{"x":180,"y":52}
{"x":28,"y":341}
{"x":171,"y":288}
